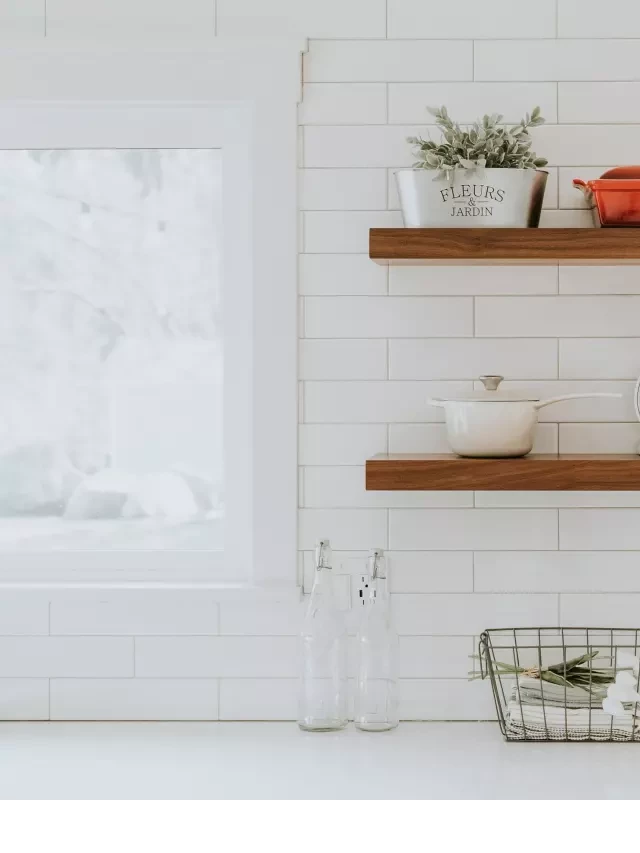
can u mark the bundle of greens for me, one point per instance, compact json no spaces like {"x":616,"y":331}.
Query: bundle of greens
{"x":571,"y":673}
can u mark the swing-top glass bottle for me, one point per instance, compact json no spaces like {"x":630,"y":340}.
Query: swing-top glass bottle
{"x":376,"y":701}
{"x":323,"y":677}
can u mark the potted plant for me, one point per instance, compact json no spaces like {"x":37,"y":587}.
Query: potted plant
{"x":485,"y":176}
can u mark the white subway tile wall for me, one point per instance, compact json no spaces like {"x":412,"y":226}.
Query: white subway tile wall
{"x":376,"y":342}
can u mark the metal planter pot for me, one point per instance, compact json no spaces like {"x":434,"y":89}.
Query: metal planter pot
{"x":479,"y":198}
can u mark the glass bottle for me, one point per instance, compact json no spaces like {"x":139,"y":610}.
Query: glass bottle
{"x":376,"y":702}
{"x":323,"y":681}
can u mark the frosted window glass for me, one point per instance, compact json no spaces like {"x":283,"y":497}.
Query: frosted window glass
{"x":110,"y":350}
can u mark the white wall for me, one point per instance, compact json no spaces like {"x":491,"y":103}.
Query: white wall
{"x":375,"y":344}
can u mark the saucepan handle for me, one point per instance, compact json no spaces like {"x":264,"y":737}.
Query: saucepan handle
{"x":542,"y":403}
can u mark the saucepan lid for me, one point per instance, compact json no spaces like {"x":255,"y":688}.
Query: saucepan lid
{"x":490,"y":394}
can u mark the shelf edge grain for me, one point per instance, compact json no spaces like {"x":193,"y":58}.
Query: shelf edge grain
{"x":577,"y":246}
{"x":446,"y":472}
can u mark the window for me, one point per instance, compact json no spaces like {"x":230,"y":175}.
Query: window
{"x":147,"y":328}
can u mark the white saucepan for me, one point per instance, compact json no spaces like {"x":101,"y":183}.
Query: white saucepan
{"x":495,"y":423}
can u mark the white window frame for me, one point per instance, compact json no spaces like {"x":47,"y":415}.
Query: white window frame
{"x":242,"y":99}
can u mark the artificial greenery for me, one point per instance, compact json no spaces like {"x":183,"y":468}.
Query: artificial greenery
{"x":567,"y":674}
{"x":486,"y":144}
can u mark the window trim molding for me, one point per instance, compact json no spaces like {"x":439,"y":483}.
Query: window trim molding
{"x":255,"y":88}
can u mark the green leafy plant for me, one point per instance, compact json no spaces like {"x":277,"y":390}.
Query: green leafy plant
{"x":569,"y":674}
{"x":486,"y":144}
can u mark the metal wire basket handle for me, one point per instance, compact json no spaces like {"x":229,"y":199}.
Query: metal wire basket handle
{"x":483,"y":649}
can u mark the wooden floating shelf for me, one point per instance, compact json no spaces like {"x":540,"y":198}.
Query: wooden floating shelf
{"x":573,"y":246}
{"x":537,"y":472}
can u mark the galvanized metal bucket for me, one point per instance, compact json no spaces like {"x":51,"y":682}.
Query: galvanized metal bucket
{"x":478,"y":198}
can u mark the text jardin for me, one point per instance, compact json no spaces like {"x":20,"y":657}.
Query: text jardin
{"x":470,"y":193}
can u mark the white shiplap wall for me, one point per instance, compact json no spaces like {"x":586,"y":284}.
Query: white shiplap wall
{"x":375,"y":343}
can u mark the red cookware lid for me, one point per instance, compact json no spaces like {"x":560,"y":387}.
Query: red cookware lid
{"x":622,"y":173}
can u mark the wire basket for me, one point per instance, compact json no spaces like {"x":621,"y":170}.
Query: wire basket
{"x":549,"y":683}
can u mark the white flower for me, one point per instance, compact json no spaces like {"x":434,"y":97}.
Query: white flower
{"x":625,"y":660}
{"x":613,"y":707}
{"x":623,"y":693}
{"x":626,"y":679}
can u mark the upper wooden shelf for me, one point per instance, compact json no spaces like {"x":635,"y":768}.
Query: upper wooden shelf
{"x":605,"y":246}
{"x":535,"y":473}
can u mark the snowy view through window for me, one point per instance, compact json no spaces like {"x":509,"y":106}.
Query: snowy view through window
{"x":110,"y":350}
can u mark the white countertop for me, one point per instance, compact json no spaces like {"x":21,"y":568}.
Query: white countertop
{"x":277,"y":761}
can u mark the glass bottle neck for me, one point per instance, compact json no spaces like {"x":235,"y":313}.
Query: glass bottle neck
{"x":378,"y":593}
{"x":322,"y":582}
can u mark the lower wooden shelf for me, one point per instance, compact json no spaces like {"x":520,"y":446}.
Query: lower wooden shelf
{"x":536,"y":472}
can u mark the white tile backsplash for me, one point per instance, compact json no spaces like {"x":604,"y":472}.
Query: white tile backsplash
{"x":430,"y":571}
{"x":347,"y":529}
{"x":344,"y":103}
{"x":473,"y":529}
{"x":593,"y":19}
{"x":599,"y":358}
{"x":388,"y":317}
{"x":599,"y":103}
{"x":434,"y":657}
{"x":442,"y":699}
{"x":24,"y":699}
{"x":153,"y":612}
{"x":587,"y":144}
{"x":557,"y":571}
{"x":371,"y":402}
{"x":343,"y":359}
{"x":340,"y":444}
{"x":388,"y":61}
{"x":213,"y":657}
{"x":620,"y":611}
{"x":258,"y":698}
{"x":466,"y":101}
{"x":599,"y":438}
{"x":24,"y":613}
{"x":74,"y":19}
{"x":376,"y":343}
{"x":343,"y":189}
{"x":341,"y":275}
{"x":599,"y":529}
{"x":468,"y":358}
{"x":134,"y":699}
{"x":70,"y":657}
{"x":307,"y":18}
{"x":557,"y":499}
{"x":345,"y":487}
{"x":618,"y":280}
{"x":472,"y":281}
{"x":557,"y":316}
{"x":469,"y":19}
{"x":377,"y":146}
{"x":587,"y":60}
{"x":279,"y":619}
{"x":344,"y":231}
{"x":472,"y":614}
